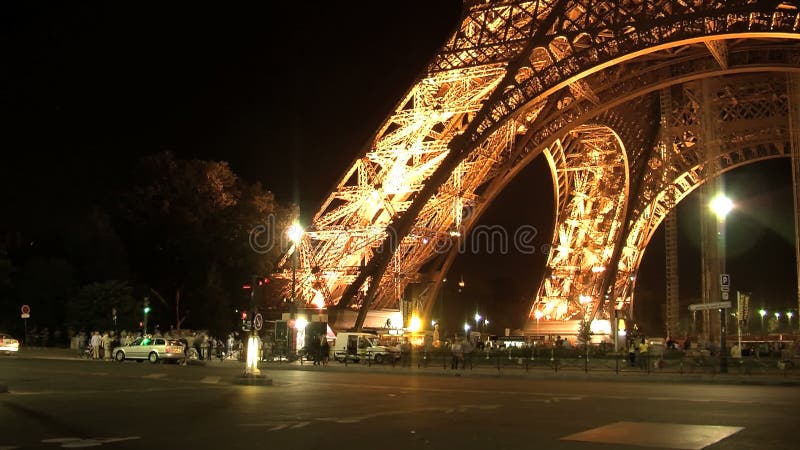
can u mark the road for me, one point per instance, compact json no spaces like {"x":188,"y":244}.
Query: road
{"x":73,"y":404}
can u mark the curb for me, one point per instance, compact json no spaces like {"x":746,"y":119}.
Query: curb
{"x":776,"y":380}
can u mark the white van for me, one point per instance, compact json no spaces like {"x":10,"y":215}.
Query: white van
{"x":354,"y":346}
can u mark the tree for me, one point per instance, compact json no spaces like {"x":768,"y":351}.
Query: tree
{"x":92,"y":307}
{"x":188,"y":223}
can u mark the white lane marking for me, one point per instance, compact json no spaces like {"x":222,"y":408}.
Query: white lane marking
{"x":120,"y":439}
{"x":73,"y":442}
{"x":7,"y":447}
{"x":279,"y":427}
{"x":211,"y":380}
{"x":155,"y":376}
{"x":300,"y":425}
{"x":82,"y":444}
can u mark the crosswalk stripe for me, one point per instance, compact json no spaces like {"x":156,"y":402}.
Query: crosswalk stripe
{"x":155,"y":375}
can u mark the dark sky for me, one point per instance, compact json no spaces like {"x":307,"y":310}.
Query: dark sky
{"x":289,"y":95}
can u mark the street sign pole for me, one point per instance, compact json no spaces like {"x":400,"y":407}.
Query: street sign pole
{"x":25,"y":311}
{"x":725,"y":286}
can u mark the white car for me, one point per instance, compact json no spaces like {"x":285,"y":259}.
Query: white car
{"x":8,"y":344}
{"x":151,"y":349}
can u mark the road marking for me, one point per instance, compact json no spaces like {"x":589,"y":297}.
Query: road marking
{"x":155,"y":376}
{"x":300,"y":425}
{"x":73,"y":442}
{"x":279,"y":427}
{"x":211,"y":380}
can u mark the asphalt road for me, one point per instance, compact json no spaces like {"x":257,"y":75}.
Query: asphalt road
{"x":73,"y":404}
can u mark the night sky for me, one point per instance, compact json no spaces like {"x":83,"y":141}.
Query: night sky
{"x":289,"y":95}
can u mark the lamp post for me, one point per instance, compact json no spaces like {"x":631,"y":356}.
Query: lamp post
{"x":789,"y":316}
{"x":777,"y":320}
{"x":295,"y":233}
{"x":721,"y":206}
{"x":762,"y":312}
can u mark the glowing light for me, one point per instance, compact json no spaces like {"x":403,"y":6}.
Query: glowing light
{"x":777,"y":315}
{"x":252,"y":357}
{"x":598,"y":269}
{"x":790,"y":314}
{"x":295,"y":232}
{"x":584,"y":299}
{"x":466,"y":327}
{"x":721,"y":205}
{"x":478,"y":317}
{"x":455,"y":233}
{"x":538,"y":314}
{"x":318,"y":300}
{"x":762,"y":312}
{"x":433,"y":323}
{"x":300,"y":324}
{"x":621,"y":325}
{"x":600,"y":326}
{"x":415,"y":324}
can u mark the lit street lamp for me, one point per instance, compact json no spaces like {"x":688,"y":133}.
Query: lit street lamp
{"x":721,"y":206}
{"x":789,"y":316}
{"x":777,"y":320}
{"x":295,"y":233}
{"x":762,"y":312}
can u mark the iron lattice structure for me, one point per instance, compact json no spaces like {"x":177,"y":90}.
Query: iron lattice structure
{"x":581,"y":83}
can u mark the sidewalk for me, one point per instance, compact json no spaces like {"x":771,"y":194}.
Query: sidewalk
{"x":515,"y":371}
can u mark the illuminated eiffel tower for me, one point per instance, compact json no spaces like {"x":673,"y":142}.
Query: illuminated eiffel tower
{"x":633,"y":104}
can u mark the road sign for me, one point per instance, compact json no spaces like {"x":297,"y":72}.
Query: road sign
{"x":725,"y":282}
{"x":25,"y":309}
{"x":258,"y":322}
{"x":25,"y":316}
{"x":704,"y":306}
{"x":724,"y":295}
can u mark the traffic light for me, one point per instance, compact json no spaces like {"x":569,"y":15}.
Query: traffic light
{"x":245,"y":323}
{"x":146,"y":305}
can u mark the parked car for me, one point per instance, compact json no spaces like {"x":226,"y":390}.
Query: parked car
{"x":354,"y":346}
{"x":8,"y":344}
{"x":151,"y":349}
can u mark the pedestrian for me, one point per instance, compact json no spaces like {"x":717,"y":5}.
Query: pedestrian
{"x":95,"y":343}
{"x":458,"y":354}
{"x":643,"y":354}
{"x":632,"y":353}
{"x":105,"y":342}
{"x":325,"y":350}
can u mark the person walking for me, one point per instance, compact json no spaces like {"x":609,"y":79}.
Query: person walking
{"x":632,"y":353}
{"x":105,"y":341}
{"x":643,"y":354}
{"x":325,"y":350}
{"x":95,"y":342}
{"x":458,"y":354}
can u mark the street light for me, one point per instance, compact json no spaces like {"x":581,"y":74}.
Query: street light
{"x":295,"y":233}
{"x":762,"y":312}
{"x":789,"y":315}
{"x":777,"y":320}
{"x":721,"y":205}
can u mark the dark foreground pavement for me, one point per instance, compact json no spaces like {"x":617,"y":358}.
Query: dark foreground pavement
{"x":73,"y":404}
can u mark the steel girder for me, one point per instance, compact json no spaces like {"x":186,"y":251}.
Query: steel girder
{"x":483,"y":94}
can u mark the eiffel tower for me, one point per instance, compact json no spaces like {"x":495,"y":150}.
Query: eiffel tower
{"x":634,"y":104}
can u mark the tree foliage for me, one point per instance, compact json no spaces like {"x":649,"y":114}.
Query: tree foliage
{"x":187,"y":225}
{"x":92,"y":307}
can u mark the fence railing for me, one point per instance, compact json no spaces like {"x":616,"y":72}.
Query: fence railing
{"x":576,"y":360}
